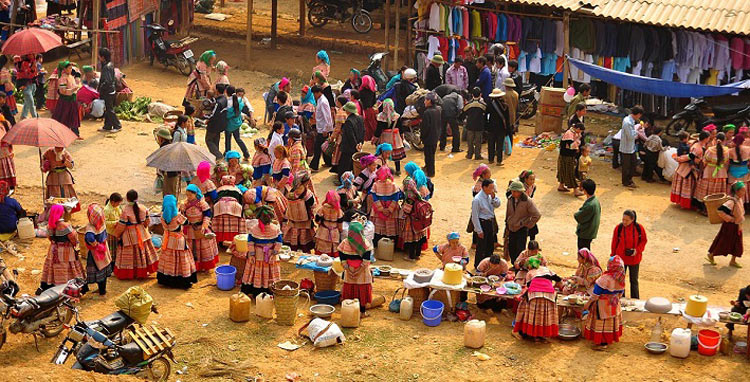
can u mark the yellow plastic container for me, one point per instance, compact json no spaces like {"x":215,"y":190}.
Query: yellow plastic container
{"x":350,"y":313}
{"x":337,"y":267}
{"x":239,"y":307}
{"x":453,"y":274}
{"x":696,"y":305}
{"x":240,"y":242}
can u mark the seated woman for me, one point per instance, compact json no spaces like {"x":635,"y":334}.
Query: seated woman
{"x":537,"y":315}
{"x":492,"y":266}
{"x":586,"y":275}
{"x":227,"y":218}
{"x":453,"y":248}
{"x":10,"y":210}
{"x":521,"y":265}
{"x":348,"y":192}
{"x":603,"y":324}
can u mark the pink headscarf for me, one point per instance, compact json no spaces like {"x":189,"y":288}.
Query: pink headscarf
{"x":384,"y":173}
{"x":589,"y":257}
{"x":480,"y":170}
{"x":710,"y":128}
{"x":368,"y":83}
{"x":55,"y":214}
{"x":743,"y":129}
{"x":367,"y":160}
{"x":204,"y":171}
{"x":284,"y":82}
{"x":333,"y":199}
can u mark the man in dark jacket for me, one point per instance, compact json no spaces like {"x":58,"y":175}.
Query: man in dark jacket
{"x":471,"y":66}
{"x":513,"y":69}
{"x":217,"y":122}
{"x":498,"y":126}
{"x":404,"y":88}
{"x":430,"y":131}
{"x":453,"y":104}
{"x":475,"y":113}
{"x":107,"y":90}
{"x":433,"y":78}
{"x":352,"y":136}
{"x":484,"y":82}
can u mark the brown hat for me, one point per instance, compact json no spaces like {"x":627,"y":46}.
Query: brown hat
{"x":509,"y":83}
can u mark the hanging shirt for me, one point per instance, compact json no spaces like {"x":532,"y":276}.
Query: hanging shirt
{"x":522,"y":67}
{"x":708,"y":52}
{"x":559,"y":38}
{"x":458,"y":27}
{"x":667,"y":70}
{"x":476,"y":24}
{"x":434,"y":21}
{"x":465,"y":22}
{"x":535,"y":63}
{"x":448,"y":21}
{"x":433,"y":46}
{"x":722,"y":61}
{"x":441,"y":18}
{"x":747,"y":54}
{"x":501,"y":33}
{"x":621,"y":64}
{"x":549,"y":62}
{"x":549,"y":36}
{"x":737,"y":48}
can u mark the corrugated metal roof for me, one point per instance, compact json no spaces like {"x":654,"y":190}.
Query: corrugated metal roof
{"x":725,"y":16}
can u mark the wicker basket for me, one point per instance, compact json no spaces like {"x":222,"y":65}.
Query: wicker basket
{"x":285,"y":301}
{"x":713,"y":202}
{"x":325,"y":280}
{"x":357,"y":168}
{"x":419,"y":295}
{"x":442,"y":296}
{"x":287,"y":269}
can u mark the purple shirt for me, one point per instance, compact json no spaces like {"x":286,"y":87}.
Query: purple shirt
{"x":457,"y":77}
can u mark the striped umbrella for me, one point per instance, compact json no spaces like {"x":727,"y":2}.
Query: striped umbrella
{"x":40,"y":132}
{"x":31,"y":41}
{"x":179,"y":156}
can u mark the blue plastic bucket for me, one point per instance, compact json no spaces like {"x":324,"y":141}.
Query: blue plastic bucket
{"x":225,"y":277}
{"x":432,"y":312}
{"x":330,"y":297}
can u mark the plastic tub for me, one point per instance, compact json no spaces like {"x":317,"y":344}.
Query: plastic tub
{"x":225,"y":277}
{"x":708,"y":342}
{"x":330,"y":297}
{"x":432,"y":312}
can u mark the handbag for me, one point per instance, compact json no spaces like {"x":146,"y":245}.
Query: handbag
{"x":508,"y":146}
{"x":329,"y":146}
{"x":395,"y":304}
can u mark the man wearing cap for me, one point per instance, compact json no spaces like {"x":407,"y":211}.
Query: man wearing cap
{"x":457,"y":75}
{"x":499,"y":126}
{"x":511,"y":99}
{"x":430,"y":131}
{"x":433,"y":78}
{"x":404,"y":88}
{"x":352,"y":136}
{"x":520,"y":215}
{"x":217,"y":122}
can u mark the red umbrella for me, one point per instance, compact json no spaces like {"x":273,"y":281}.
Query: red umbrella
{"x":31,"y":41}
{"x":40,"y":132}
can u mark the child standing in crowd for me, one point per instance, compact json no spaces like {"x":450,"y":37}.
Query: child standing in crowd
{"x":112,"y":212}
{"x":385,"y":196}
{"x":261,"y":161}
{"x":447,"y":252}
{"x":190,"y":123}
{"x":329,"y":218}
{"x":356,"y":255}
{"x":98,"y":259}
{"x":584,"y":162}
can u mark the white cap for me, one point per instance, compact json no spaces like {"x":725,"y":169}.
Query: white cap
{"x":410,"y":73}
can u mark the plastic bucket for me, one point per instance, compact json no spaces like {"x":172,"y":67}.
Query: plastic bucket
{"x":708,"y":342}
{"x":330,"y":297}
{"x":225,"y":277}
{"x":432,"y":312}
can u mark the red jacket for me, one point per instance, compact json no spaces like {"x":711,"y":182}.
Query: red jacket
{"x":629,"y":237}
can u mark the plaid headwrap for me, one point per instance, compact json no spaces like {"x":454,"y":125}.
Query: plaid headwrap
{"x":95,"y":214}
{"x":356,"y":239}
{"x":479,"y":171}
{"x":265,"y":215}
{"x":333,"y":199}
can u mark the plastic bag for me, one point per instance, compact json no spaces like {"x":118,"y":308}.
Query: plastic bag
{"x":135,"y":303}
{"x":508,"y":146}
{"x":667,"y":163}
{"x":97,"y":108}
{"x":323,"y":333}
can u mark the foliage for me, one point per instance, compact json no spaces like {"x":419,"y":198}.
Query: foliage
{"x":133,"y":111}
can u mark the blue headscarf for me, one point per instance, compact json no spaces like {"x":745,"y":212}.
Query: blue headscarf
{"x":453,"y":236}
{"x":193,"y":188}
{"x":231,"y":154}
{"x":383,"y":147}
{"x":416,"y":173}
{"x":346,"y":179}
{"x":308,"y":98}
{"x":169,"y":208}
{"x":323,"y":55}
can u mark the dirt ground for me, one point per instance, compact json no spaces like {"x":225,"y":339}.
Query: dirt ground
{"x":384,"y":347}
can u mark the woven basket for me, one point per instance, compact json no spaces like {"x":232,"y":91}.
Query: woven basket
{"x":277,"y":288}
{"x":442,"y":296}
{"x":419,"y":295}
{"x":286,"y":309}
{"x":325,"y":280}
{"x":356,"y":167}
{"x":287,"y":269}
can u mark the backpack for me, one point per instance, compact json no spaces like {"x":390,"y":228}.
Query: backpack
{"x":390,"y":93}
{"x":421,"y":215}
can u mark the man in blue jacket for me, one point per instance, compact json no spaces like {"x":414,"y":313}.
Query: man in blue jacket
{"x":485,"y":78}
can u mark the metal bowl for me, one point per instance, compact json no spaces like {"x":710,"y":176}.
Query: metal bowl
{"x":322,"y":310}
{"x":656,"y":347}
{"x":569,"y":332}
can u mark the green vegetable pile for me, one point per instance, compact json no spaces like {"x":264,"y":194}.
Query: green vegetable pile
{"x":133,"y":111}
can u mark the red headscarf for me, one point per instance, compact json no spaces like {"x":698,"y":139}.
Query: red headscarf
{"x":333,"y":199}
{"x":479,"y":171}
{"x":384,"y":173}
{"x":614,"y":278}
{"x":588,"y":257}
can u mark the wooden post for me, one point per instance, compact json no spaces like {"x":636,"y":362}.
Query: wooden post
{"x":397,"y":37}
{"x":249,"y":37}
{"x":301,"y":17}
{"x":221,"y":4}
{"x":409,"y":57}
{"x":566,"y":47}
{"x":387,"y":31}
{"x":13,"y":16}
{"x":274,"y":21}
{"x":95,"y":38}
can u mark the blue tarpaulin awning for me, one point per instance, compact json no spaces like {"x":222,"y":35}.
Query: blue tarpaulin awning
{"x":657,"y":86}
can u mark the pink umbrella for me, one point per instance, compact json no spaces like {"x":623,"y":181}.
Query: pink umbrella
{"x":31,"y":41}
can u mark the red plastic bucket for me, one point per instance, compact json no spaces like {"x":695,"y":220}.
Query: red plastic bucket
{"x":708,"y":342}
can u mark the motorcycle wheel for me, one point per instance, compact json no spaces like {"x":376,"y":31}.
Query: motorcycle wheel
{"x":676,"y":125}
{"x":158,"y":370}
{"x":530,"y":111}
{"x":55,"y":328}
{"x":362,"y":22}
{"x":183,"y":66}
{"x":316,"y":14}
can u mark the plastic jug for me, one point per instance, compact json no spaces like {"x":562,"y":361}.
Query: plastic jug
{"x":384,"y":251}
{"x":656,"y":332}
{"x":474,"y":333}
{"x":350,"y":313}
{"x":407,"y":308}
{"x":25,"y":229}
{"x":264,"y":305}
{"x":239,"y":307}
{"x":679,"y":343}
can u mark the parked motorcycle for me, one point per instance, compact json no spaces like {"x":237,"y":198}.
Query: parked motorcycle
{"x":170,"y":53}
{"x":528,"y":101}
{"x":45,"y":314}
{"x":99,"y":346}
{"x":692,"y":117}
{"x":320,"y":12}
{"x":375,"y":70}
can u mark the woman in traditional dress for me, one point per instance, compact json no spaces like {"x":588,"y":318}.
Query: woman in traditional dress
{"x":264,"y":242}
{"x":323,"y":63}
{"x":233,"y":165}
{"x":228,"y":221}
{"x":201,"y":240}
{"x":537,"y":315}
{"x":481,"y":173}
{"x":339,"y":118}
{"x":220,"y":170}
{"x":739,"y":157}
{"x":447,"y":252}
{"x":98,"y":259}
{"x":6,"y":85}
{"x":366,"y":179}
{"x":356,"y":256}
{"x":204,"y":182}
{"x":567,"y":160}
{"x":176,"y":264}
{"x":384,"y":213}
{"x":354,"y":81}
{"x":7,"y":164}
{"x":58,"y":163}
{"x":297,"y":151}
{"x":492,"y":266}
{"x":261,"y":161}
{"x":528,"y":178}
{"x":521,"y":265}
{"x":687,"y":172}
{"x":112,"y":212}
{"x":222,"y":69}
{"x":66,"y":108}
{"x":387,"y":132}
{"x":281,"y":169}
{"x":321,"y":80}
{"x":728,"y":242}
{"x":329,"y":218}
{"x":347,"y":191}
{"x":587,"y":273}
{"x":367,"y":98}
{"x":413,"y":239}
{"x":137,"y":258}
{"x":299,"y":228}
{"x":383,"y":153}
{"x":199,"y":81}
{"x":603,"y":324}
{"x":714,"y":178}
{"x":307,"y":103}
{"x":62,"y":263}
